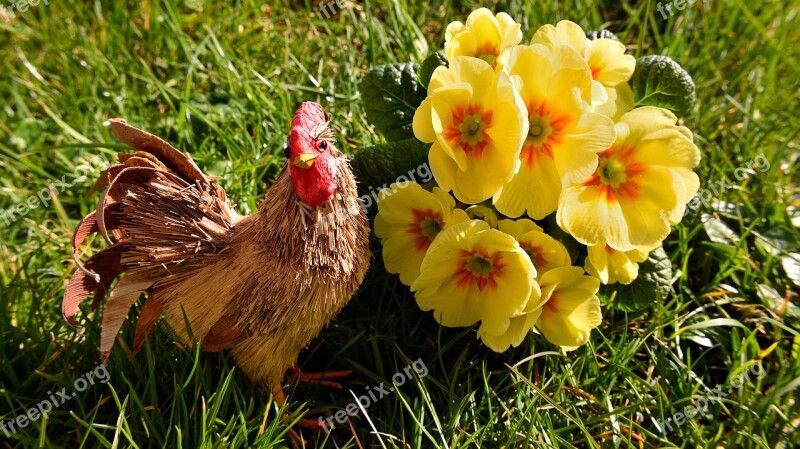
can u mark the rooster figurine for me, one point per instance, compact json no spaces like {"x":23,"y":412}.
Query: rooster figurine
{"x":262,"y":285}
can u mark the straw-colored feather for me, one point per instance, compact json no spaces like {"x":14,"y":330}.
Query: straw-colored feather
{"x":263,"y":285}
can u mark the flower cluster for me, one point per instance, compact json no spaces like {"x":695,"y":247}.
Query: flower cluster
{"x":517,"y":133}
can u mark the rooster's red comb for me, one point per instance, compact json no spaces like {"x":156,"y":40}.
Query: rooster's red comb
{"x":308,"y":117}
{"x":308,"y":125}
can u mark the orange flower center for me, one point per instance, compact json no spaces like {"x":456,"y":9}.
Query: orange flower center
{"x":596,"y":72}
{"x":536,"y":253}
{"x":617,"y":174}
{"x":478,"y":268}
{"x":469,"y":130}
{"x":550,"y":307}
{"x":425,"y":226}
{"x":544,"y":132}
{"x":488,"y":52}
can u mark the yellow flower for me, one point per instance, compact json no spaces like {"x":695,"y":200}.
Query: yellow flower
{"x":544,"y":251}
{"x":408,"y":220}
{"x":484,"y":36}
{"x":518,"y":327}
{"x":612,"y":266}
{"x":519,"y":227}
{"x":641,"y":186}
{"x":476,"y":122}
{"x":571,"y":308}
{"x":611,"y":68}
{"x":609,"y":64}
{"x":563,"y":33}
{"x":564,"y":135}
{"x":484,"y":213}
{"x":612,"y":102}
{"x":474,"y":273}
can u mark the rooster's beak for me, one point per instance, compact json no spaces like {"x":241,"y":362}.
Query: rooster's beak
{"x":304,"y":160}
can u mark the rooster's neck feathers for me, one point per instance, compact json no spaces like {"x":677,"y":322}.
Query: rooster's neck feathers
{"x":314,"y":235}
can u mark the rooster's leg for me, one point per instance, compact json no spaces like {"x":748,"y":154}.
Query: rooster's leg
{"x":317,"y":426}
{"x":321,"y":379}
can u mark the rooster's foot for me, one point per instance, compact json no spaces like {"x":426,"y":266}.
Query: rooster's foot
{"x":297,"y":440}
{"x":313,"y":425}
{"x":310,"y":424}
{"x":321,"y":379}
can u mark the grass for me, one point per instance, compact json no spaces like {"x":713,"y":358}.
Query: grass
{"x":221,"y":82}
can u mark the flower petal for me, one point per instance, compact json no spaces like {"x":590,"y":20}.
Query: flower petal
{"x":458,"y":295}
{"x":518,"y":228}
{"x":564,"y":33}
{"x":408,"y":221}
{"x":572,"y":309}
{"x":610,"y":65}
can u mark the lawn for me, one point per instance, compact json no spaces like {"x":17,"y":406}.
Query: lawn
{"x":718,"y":360}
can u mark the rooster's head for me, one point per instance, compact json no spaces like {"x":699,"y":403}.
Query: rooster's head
{"x":311,"y":155}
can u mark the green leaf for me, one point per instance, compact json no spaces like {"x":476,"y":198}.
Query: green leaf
{"x":718,"y":231}
{"x":601,"y":34}
{"x":791,"y":265}
{"x":429,"y":65}
{"x":660,"y":81}
{"x":653,"y":284}
{"x":391,"y":94}
{"x":381,"y":165}
{"x":776,"y":302}
{"x":778,"y":240}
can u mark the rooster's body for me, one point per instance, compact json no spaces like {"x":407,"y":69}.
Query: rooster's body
{"x":262,"y":285}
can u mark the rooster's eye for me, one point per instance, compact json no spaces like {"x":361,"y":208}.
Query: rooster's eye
{"x":323,"y":145}
{"x":287,"y":152}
